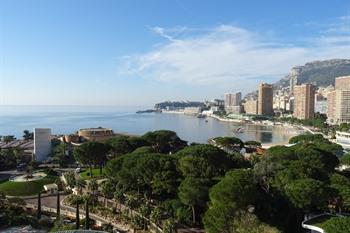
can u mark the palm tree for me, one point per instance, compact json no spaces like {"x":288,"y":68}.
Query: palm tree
{"x":130,"y":202}
{"x":77,"y":218}
{"x":155,"y":215}
{"x":145,"y":212}
{"x":119,"y":197}
{"x":58,"y":205}
{"x":8,"y":138}
{"x":93,"y":188}
{"x":80,"y":184}
{"x":169,"y":226}
{"x":87,"y":218}
{"x":39,"y":206}
{"x":92,"y":185}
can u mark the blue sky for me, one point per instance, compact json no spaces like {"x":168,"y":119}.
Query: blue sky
{"x":136,"y":53}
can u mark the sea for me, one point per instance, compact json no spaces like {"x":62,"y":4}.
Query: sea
{"x":68,"y":119}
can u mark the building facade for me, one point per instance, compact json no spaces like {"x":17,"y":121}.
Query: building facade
{"x":342,"y":83}
{"x":233,"y":102}
{"x":95,"y":134}
{"x":251,"y":107}
{"x":304,"y":101}
{"x":338,"y":102}
{"x":265,"y":99}
{"x":192,"y":110}
{"x":42,"y":144}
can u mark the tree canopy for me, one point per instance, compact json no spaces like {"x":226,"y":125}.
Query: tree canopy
{"x":91,"y":153}
{"x":164,"y":141}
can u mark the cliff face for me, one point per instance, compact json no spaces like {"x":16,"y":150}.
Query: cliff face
{"x":320,"y":73}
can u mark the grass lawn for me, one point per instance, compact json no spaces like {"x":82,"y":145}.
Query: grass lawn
{"x":25,"y":188}
{"x":95,"y":173}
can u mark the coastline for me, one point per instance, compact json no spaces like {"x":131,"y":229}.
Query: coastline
{"x":295,"y":128}
{"x":292,"y":130}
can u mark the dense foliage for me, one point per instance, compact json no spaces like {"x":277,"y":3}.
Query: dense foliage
{"x":203,"y":185}
{"x":337,"y":225}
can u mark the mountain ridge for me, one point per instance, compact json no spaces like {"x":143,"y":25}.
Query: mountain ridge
{"x":320,"y":73}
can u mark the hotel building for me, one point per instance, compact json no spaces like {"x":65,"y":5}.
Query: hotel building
{"x":339,"y":102}
{"x":304,"y":101}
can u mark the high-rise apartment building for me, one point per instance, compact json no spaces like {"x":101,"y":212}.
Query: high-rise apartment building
{"x":304,"y":101}
{"x":342,"y":83}
{"x":233,"y":99}
{"x":294,"y":73}
{"x":338,"y":102}
{"x":233,"y":102}
{"x":265,"y":99}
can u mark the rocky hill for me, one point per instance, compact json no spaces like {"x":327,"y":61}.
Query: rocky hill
{"x":178,"y":104}
{"x":320,"y":73}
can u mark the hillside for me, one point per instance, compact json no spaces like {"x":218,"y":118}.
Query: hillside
{"x":178,"y":104}
{"x":321,"y":73}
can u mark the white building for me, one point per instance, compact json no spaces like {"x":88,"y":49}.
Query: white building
{"x":343,"y":138}
{"x":192,"y":110}
{"x":42,"y":143}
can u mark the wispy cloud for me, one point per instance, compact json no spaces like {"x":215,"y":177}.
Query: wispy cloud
{"x":230,"y":56}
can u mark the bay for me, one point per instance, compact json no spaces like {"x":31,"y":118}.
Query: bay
{"x":69,"y":119}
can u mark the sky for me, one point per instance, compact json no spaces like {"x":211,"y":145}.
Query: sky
{"x":140,"y":52}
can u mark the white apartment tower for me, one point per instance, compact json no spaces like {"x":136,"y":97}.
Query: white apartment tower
{"x":42,"y":143}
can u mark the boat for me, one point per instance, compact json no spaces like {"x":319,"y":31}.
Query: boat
{"x":239,"y":130}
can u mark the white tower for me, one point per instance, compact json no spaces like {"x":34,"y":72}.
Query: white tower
{"x":42,"y":143}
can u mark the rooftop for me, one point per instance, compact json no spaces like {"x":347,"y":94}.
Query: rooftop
{"x":96,"y":129}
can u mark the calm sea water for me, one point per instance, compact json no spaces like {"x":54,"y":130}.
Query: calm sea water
{"x":68,"y":119}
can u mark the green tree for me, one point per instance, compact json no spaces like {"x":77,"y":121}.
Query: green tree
{"x":92,"y":185}
{"x":155,"y":215}
{"x":164,"y":141}
{"x":337,"y":225}
{"x":119,"y":198}
{"x":8,"y":138}
{"x":234,"y":192}
{"x":306,"y":193}
{"x":107,"y":189}
{"x":341,"y":185}
{"x":91,"y":153}
{"x":193,"y":192}
{"x":27,"y":135}
{"x":345,"y":159}
{"x":204,"y":161}
{"x":119,"y":145}
{"x":229,"y":142}
{"x":169,"y":226}
{"x":245,"y":222}
{"x":70,"y":178}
